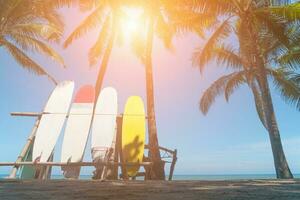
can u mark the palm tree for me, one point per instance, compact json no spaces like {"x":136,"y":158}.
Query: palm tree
{"x":26,"y":26}
{"x":163,"y":19}
{"x":155,"y":19}
{"x":265,"y":50}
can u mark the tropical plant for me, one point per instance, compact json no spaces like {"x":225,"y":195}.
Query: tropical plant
{"x":266,"y":49}
{"x":26,"y":25}
{"x":164,"y":20}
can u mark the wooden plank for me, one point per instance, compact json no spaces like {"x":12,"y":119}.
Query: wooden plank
{"x":105,"y":168}
{"x":141,"y":174}
{"x":162,"y":148}
{"x":86,"y":164}
{"x":38,"y":114}
{"x":26,"y":114}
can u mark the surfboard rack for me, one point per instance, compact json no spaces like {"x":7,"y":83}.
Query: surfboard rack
{"x":167,"y":155}
{"x":113,"y":163}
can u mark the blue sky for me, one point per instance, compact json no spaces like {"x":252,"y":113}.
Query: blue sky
{"x":229,"y":140}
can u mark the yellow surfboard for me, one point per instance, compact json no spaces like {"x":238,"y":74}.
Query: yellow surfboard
{"x":133,"y":133}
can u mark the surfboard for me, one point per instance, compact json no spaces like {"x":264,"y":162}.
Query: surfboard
{"x":27,"y":172}
{"x":52,"y":121}
{"x":104,"y":123}
{"x":133,"y":133}
{"x":77,"y":129}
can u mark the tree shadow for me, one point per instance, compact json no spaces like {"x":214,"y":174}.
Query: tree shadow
{"x":131,"y":154}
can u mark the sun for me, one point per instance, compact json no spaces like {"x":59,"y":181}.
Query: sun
{"x":131,"y":22}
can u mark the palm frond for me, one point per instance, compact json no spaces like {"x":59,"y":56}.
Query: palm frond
{"x":275,"y":24}
{"x":290,"y":12}
{"x":28,"y":11}
{"x":92,"y":21}
{"x":101,"y":43}
{"x":202,"y":56}
{"x":234,"y":83}
{"x":226,"y":55}
{"x":25,"y":61}
{"x":291,"y":59}
{"x":138,"y":46}
{"x":31,"y":44}
{"x":28,"y":25}
{"x":296,"y":79}
{"x":285,"y":84}
{"x":218,"y":7}
{"x":219,"y":87}
{"x":61,"y":3}
{"x":88,"y":5}
{"x":164,"y":31}
{"x":190,"y":21}
{"x":37,"y":30}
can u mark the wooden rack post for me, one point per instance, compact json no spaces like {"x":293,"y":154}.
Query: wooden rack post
{"x":106,"y":168}
{"x":117,"y":147}
{"x":27,"y":145}
{"x":119,"y":144}
{"x":172,"y":167}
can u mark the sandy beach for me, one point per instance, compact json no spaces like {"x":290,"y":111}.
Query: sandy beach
{"x":138,"y":190}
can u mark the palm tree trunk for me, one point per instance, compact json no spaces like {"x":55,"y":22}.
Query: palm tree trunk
{"x":104,"y":63}
{"x":258,"y":104}
{"x":99,"y":82}
{"x":158,"y":172}
{"x":281,"y":165}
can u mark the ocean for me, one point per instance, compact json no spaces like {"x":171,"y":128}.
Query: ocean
{"x":196,"y":177}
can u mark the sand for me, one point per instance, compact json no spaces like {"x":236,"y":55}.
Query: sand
{"x":138,"y":190}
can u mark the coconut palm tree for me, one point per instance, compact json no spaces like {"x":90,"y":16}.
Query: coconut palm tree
{"x":164,"y":20}
{"x":26,"y":26}
{"x":265,"y":51}
{"x":156,"y":25}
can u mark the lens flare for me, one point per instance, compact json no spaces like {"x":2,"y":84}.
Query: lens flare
{"x":131,"y":22}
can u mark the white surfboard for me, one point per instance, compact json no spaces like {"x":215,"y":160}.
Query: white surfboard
{"x":77,"y":129}
{"x":104,"y":123}
{"x":52,"y":121}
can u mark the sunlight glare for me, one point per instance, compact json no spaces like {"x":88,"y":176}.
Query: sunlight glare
{"x":131,"y":22}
